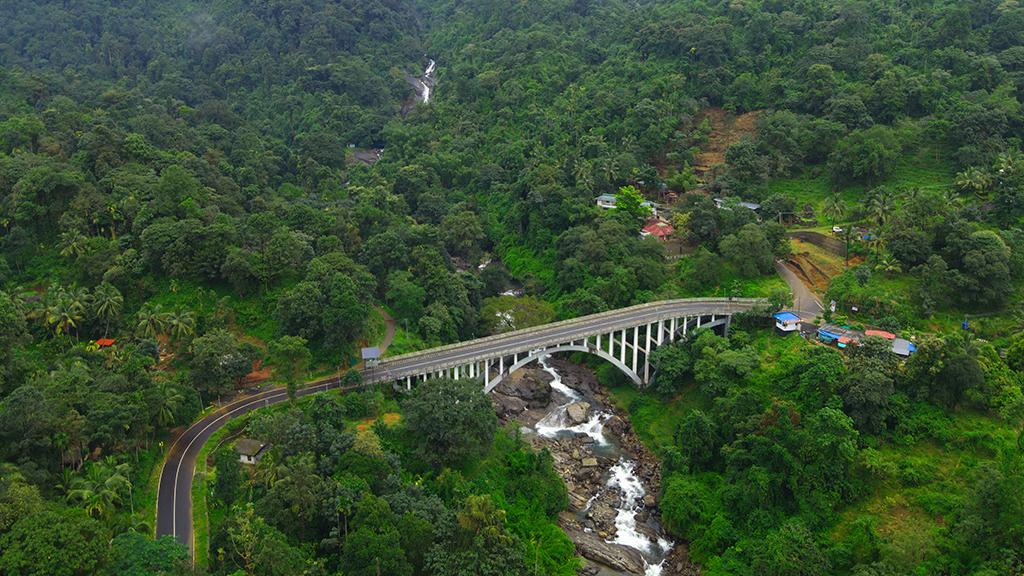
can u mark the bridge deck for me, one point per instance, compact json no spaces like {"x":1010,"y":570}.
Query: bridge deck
{"x":522,"y":341}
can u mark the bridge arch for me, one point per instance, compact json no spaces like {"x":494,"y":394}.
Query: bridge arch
{"x":538,"y":354}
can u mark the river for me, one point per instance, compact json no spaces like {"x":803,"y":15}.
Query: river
{"x":612,"y":479}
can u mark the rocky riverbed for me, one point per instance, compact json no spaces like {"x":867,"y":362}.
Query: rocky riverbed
{"x":612,"y":479}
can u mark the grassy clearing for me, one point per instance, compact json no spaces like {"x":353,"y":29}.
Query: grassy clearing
{"x":731,"y":284}
{"x":406,"y":341}
{"x":920,"y":168}
{"x":252,"y":315}
{"x":654,"y":418}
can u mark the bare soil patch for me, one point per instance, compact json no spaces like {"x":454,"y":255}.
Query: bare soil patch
{"x":726,"y":130}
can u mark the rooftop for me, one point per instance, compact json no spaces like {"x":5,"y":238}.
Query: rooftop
{"x":658,"y":228}
{"x":249,"y":447}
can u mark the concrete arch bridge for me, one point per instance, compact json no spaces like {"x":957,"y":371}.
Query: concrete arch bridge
{"x":624,"y":337}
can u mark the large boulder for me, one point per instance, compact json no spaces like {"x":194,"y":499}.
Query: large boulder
{"x":507,"y":407}
{"x":531,"y":385}
{"x":577,"y":413}
{"x":593,"y":547}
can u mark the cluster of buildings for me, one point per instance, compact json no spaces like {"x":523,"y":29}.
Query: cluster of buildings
{"x":839,"y":336}
{"x":656,"y":227}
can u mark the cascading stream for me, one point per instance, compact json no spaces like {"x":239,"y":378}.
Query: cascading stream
{"x":621,"y":478}
{"x":427,"y":82}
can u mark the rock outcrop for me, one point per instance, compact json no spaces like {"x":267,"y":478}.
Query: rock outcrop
{"x":523,"y":390}
{"x":593,"y":547}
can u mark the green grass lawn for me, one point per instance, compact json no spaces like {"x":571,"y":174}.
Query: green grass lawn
{"x":654,"y":418}
{"x":252,"y":315}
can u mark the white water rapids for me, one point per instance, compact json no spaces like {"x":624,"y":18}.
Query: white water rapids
{"x":622,"y":477}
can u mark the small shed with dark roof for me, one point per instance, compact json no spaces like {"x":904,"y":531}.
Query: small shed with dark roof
{"x":250,"y":451}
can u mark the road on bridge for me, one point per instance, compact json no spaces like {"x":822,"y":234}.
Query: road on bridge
{"x":529,"y":339}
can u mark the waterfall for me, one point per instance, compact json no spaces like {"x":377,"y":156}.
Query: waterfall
{"x":427,"y":82}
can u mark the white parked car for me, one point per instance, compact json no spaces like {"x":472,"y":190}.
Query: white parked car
{"x":837,"y":230}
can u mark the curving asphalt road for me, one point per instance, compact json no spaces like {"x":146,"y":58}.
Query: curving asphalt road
{"x":174,"y":498}
{"x":174,"y":495}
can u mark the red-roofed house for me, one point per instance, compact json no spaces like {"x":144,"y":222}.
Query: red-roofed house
{"x":659,"y":229}
{"x":105,"y":342}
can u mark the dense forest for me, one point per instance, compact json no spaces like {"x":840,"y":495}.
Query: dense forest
{"x":190,"y":180}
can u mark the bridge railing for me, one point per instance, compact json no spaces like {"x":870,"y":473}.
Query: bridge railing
{"x":511,"y":336}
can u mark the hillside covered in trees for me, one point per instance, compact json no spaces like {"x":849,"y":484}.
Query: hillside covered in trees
{"x":190,"y":180}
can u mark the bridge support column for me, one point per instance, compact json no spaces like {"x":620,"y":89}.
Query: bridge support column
{"x":685,"y":322}
{"x":501,"y":365}
{"x":611,"y":343}
{"x":408,"y":382}
{"x":598,"y":345}
{"x":672,"y":330}
{"x":647,"y":357}
{"x":661,"y":331}
{"x":458,"y":373}
{"x":622,"y":353}
{"x":636,"y":345}
{"x":698,"y":322}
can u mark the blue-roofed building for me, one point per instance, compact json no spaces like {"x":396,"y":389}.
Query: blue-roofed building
{"x":786,"y":322}
{"x":828,"y":336}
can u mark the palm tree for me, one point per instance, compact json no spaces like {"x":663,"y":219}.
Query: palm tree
{"x":834,"y":208}
{"x":101,"y":489}
{"x":951,"y":199}
{"x":975,"y":180}
{"x":610,"y":169}
{"x":181,"y":323}
{"x":170,"y":400}
{"x":65,"y":310}
{"x":72,"y":243}
{"x":106,"y":304}
{"x":888,"y":265}
{"x":152,"y":321}
{"x":880,"y":207}
{"x":583,"y":173}
{"x":269,"y":471}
